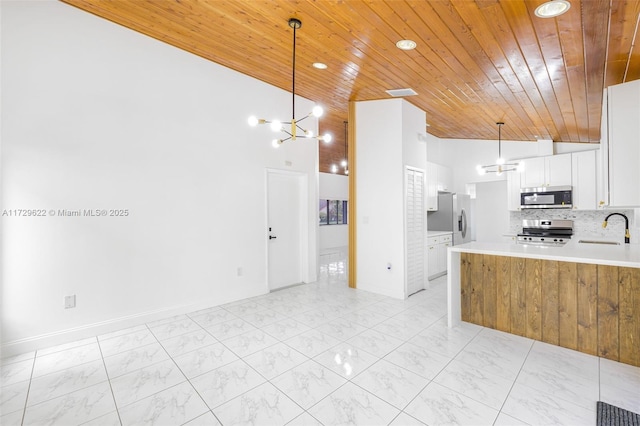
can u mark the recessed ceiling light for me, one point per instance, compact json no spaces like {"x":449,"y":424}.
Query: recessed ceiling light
{"x":552,"y":8}
{"x":406,"y":44}
{"x":320,"y":65}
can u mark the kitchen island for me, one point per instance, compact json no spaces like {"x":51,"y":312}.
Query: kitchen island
{"x":584,"y":297}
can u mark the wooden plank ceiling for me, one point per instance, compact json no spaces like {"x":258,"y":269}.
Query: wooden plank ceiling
{"x":477,"y":61}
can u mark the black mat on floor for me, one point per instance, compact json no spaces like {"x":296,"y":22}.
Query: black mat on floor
{"x":610,"y":415}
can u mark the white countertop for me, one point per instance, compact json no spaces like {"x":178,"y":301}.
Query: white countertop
{"x":627,"y":255}
{"x":438,"y":233}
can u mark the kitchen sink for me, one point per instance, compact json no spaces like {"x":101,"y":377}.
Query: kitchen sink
{"x":612,"y":243}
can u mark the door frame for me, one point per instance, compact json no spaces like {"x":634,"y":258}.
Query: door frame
{"x":303,"y":192}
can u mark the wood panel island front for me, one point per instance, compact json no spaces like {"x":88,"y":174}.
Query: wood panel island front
{"x":582,"y":297}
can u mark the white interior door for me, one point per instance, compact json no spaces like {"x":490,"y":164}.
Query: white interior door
{"x":415,"y":230}
{"x":284,"y":199}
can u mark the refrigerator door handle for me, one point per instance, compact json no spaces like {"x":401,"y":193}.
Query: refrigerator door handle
{"x":463,"y":224}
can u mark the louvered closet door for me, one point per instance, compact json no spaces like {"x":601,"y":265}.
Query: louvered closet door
{"x":415,"y":232}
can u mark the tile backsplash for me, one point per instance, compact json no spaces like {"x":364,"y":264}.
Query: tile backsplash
{"x":586,"y":223}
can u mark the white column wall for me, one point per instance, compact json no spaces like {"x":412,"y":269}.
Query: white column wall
{"x":387,"y":140}
{"x":96,"y":116}
{"x":380,"y":236}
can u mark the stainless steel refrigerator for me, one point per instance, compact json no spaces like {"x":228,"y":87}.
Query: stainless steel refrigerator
{"x":452,"y":216}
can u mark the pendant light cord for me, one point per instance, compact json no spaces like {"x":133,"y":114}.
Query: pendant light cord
{"x":499,"y":138}
{"x":293,"y":77}
{"x":499,"y":141}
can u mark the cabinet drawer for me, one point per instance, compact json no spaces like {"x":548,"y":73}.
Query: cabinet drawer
{"x":433,"y":240}
{"x":446,"y":238}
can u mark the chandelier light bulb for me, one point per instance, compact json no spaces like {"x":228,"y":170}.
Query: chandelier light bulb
{"x":276,"y":125}
{"x":481,"y":170}
{"x":317,"y":111}
{"x":520,"y":167}
{"x":327,"y":138}
{"x":346,"y":172}
{"x":334,"y":168}
{"x":309,"y":133}
{"x":500,"y":161}
{"x":275,"y":143}
{"x":253,"y":121}
{"x":343,"y":163}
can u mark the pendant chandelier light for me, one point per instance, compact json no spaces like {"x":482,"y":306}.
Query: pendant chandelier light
{"x":500,"y":166}
{"x":292,"y":129}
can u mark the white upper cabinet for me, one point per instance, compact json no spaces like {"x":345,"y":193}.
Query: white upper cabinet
{"x":577,"y":169}
{"x":533,"y":174}
{"x":439,"y":178}
{"x":513,"y":191}
{"x":445,"y":178}
{"x":432,"y":187}
{"x":553,"y":170}
{"x":583,"y":170}
{"x":558,"y":170}
{"x":624,"y":144}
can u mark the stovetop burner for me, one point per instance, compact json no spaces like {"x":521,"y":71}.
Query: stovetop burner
{"x":545,"y":232}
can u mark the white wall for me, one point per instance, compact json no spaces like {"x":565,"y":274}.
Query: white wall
{"x":491,"y":212}
{"x":414,"y":147}
{"x":387,"y":140}
{"x":380,"y":199}
{"x":464,"y":155}
{"x":96,"y":116}
{"x":333,"y":187}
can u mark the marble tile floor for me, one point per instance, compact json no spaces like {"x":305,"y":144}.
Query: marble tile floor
{"x":314,"y":354}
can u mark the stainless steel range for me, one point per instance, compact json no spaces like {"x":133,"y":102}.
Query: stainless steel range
{"x":545,"y":232}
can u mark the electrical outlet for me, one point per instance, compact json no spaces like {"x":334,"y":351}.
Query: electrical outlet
{"x":70,"y":301}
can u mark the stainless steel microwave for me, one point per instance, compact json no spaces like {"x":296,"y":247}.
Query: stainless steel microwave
{"x":550,"y":197}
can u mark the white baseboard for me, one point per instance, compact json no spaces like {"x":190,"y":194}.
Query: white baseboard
{"x":29,"y":344}
{"x":379,"y":290}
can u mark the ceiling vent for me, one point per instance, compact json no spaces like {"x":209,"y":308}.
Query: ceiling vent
{"x":398,"y":93}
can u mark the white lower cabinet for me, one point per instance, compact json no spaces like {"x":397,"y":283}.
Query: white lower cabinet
{"x":432,"y":260}
{"x":437,"y":255}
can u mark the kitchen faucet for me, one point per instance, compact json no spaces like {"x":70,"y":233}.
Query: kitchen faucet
{"x":626,"y":225}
